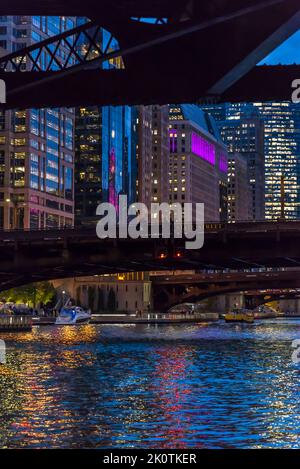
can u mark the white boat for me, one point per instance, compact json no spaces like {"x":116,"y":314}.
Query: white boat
{"x":72,"y":315}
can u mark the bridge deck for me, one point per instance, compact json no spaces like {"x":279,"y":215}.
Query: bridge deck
{"x":33,"y":256}
{"x":218,"y":45}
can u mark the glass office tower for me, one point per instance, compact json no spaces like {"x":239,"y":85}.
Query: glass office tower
{"x":245,"y":136}
{"x":282,"y":156}
{"x":36,"y":146}
{"x":106,"y":148}
{"x":281,"y":152}
{"x":106,"y":165}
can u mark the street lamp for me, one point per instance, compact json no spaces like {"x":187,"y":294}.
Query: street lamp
{"x":63,"y":294}
{"x":14,"y":200}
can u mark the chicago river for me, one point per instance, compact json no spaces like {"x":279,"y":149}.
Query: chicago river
{"x":143,"y":386}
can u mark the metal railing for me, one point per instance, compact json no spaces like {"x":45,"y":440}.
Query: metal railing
{"x":11,"y":323}
{"x":208,"y":226}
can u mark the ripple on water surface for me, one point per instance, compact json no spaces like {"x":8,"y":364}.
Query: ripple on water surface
{"x":203,"y":386}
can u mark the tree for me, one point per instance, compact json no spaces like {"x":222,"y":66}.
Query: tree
{"x":111,"y":301}
{"x":45,"y":293}
{"x":31,"y":294}
{"x":25,"y":294}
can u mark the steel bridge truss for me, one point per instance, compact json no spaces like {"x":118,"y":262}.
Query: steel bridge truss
{"x":85,"y":44}
{"x":76,"y":56}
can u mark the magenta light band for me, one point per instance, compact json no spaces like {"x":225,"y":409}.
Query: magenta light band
{"x":203,"y":148}
{"x":173,"y":140}
{"x":223,"y":163}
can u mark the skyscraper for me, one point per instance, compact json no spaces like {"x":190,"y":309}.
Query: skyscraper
{"x":105,"y":147}
{"x":198,"y":161}
{"x":242,"y":130}
{"x":36,"y":146}
{"x":245,"y":136}
{"x":282,"y":157}
{"x":153,"y":154}
{"x":106,"y":167}
{"x":282,"y":152}
{"x":240,"y":206}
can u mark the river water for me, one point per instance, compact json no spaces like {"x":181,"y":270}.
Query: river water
{"x":196,"y":386}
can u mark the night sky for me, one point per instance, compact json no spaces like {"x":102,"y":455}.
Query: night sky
{"x":287,"y":53}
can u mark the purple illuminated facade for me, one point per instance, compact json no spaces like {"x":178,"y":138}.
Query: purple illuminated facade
{"x":202,"y":148}
{"x":173,"y":140}
{"x":223,"y":163}
{"x":198,"y":163}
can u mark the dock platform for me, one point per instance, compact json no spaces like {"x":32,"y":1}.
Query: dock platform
{"x":131,"y":319}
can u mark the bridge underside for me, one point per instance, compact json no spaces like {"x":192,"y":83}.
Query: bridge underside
{"x":169,"y":295}
{"x":103,"y":88}
{"x":207,"y":49}
{"x":252,"y":299}
{"x":35,"y":256}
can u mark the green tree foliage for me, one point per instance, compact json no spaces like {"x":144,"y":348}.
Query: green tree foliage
{"x":32,"y":294}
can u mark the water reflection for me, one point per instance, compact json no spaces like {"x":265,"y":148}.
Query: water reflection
{"x":170,"y":384}
{"x":212,"y":386}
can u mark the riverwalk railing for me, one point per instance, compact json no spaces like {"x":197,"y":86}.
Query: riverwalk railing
{"x":179,"y":316}
{"x":11,"y":323}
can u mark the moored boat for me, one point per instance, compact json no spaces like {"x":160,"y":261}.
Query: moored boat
{"x":73,"y":315}
{"x":265,"y":312}
{"x":242,"y":315}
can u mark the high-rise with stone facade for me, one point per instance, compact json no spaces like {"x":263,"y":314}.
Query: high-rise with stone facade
{"x":198,"y":164}
{"x":36,"y":146}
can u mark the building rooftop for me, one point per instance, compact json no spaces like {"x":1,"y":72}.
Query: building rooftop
{"x":195,"y":115}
